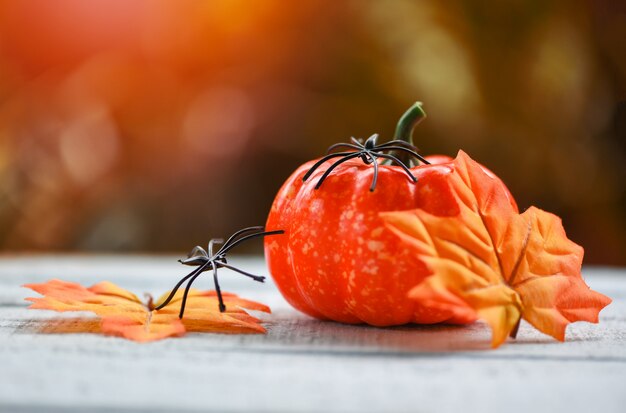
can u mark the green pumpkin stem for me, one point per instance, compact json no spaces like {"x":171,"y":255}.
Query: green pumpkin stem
{"x":404,"y":131}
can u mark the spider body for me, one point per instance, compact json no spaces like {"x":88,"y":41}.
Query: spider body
{"x":207,"y":260}
{"x":369,"y":152}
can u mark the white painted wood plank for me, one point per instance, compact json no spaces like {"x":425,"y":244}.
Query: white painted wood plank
{"x":301,"y":364}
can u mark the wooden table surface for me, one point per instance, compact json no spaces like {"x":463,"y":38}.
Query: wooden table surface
{"x":301,"y":364}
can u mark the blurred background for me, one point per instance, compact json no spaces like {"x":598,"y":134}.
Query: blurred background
{"x":153,"y":125}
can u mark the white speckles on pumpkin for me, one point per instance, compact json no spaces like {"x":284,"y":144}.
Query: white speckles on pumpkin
{"x":357,"y":222}
{"x":376,"y":232}
{"x":375,"y":246}
{"x":316,"y":207}
{"x":351,"y":278}
{"x":305,"y":248}
{"x":426,"y":190}
{"x":347,"y":214}
{"x":272,"y":245}
{"x":370,"y":269}
{"x":385,"y":256}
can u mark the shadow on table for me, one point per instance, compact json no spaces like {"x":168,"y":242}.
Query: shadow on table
{"x":92,"y":325}
{"x":306,"y":332}
{"x":65,"y":325}
{"x":316,"y":334}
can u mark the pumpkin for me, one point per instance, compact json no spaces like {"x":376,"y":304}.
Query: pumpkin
{"x":337,"y":260}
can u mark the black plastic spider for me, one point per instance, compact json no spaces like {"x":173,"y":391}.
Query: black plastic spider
{"x":369,"y":153}
{"x":209,"y":261}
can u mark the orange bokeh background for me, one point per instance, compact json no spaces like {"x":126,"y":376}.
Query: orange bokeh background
{"x":156,"y":125}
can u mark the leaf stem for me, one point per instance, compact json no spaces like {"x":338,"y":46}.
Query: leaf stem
{"x":513,"y":333}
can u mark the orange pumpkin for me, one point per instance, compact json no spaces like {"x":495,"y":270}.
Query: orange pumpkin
{"x":337,"y":260}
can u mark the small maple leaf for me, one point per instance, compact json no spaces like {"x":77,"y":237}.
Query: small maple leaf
{"x":123,"y":314}
{"x":501,"y":265}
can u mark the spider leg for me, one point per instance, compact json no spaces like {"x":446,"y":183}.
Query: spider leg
{"x":187,"y":288}
{"x":236,"y":234}
{"x":213,"y":242}
{"x":394,"y":147}
{"x":375,"y":179}
{"x":258,"y":278}
{"x":218,"y":290}
{"x":198,"y":251}
{"x":397,"y":143}
{"x":343,"y":145}
{"x":336,"y":164}
{"x":321,"y":161}
{"x":399,"y":148}
{"x":357,"y":142}
{"x":247,"y":237}
{"x":195,"y":272}
{"x":399,"y":162}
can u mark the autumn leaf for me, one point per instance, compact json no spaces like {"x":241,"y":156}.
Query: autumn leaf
{"x":123,"y":314}
{"x":493,"y":261}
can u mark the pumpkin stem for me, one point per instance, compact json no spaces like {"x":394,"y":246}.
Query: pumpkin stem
{"x":404,"y":131}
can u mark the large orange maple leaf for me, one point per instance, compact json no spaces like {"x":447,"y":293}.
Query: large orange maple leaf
{"x":491,"y":261}
{"x":123,"y":314}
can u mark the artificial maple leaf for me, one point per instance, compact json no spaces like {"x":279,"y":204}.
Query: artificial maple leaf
{"x":123,"y":314}
{"x":493,"y":261}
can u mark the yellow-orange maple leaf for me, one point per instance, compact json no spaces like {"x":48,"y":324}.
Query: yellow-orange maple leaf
{"x":123,"y":314}
{"x":493,"y":261}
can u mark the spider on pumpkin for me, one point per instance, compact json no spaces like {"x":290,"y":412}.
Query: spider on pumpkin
{"x":369,"y":152}
{"x":213,"y":261}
